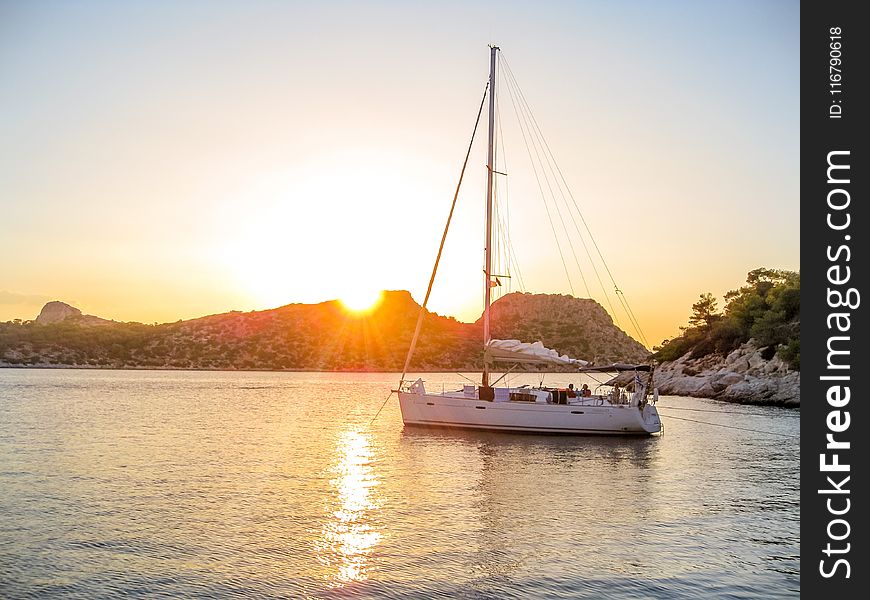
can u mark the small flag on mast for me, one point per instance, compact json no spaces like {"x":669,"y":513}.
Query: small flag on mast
{"x":495,"y":283}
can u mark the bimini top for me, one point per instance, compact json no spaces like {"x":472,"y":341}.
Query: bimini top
{"x":521,"y":352}
{"x":614,"y":368}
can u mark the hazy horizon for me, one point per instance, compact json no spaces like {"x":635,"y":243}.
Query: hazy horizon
{"x":168,"y":160}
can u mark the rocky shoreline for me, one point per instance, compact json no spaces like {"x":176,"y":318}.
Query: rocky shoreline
{"x":747,"y":375}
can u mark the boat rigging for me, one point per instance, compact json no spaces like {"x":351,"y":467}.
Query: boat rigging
{"x":525,"y":409}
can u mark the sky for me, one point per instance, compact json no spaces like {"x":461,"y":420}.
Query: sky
{"x":167,"y":160}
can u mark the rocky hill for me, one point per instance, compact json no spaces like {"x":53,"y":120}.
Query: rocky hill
{"x":56,"y":311}
{"x":323,"y":336}
{"x":578,"y":327}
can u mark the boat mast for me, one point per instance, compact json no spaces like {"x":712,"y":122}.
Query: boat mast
{"x":490,"y":169}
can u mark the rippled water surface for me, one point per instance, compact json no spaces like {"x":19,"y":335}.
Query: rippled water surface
{"x":275,"y":485}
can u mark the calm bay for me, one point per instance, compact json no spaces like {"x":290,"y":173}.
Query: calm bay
{"x":262,"y":484}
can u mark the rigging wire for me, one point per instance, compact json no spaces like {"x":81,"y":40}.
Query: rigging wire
{"x":495,"y":240}
{"x":788,"y":435}
{"x":438,"y":256}
{"x":550,"y":159}
{"x":538,"y":147}
{"x":496,"y":216}
{"x":624,"y":303}
{"x":543,"y":197}
{"x":591,"y":237}
{"x":722,"y":412}
{"x":502,"y":263}
{"x":631,"y":316}
{"x":549,"y":152}
{"x":535,"y":147}
{"x":466,"y":378}
{"x":506,"y":373}
{"x":503,"y":226}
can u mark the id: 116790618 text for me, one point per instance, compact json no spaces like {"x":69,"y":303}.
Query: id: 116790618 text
{"x":835,"y":72}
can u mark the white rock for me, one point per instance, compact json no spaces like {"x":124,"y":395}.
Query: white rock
{"x":743,"y":376}
{"x":56,"y":311}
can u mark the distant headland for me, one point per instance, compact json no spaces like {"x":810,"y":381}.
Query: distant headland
{"x":748,"y":353}
{"x":313,"y":337}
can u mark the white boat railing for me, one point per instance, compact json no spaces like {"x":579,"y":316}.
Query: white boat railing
{"x":616,"y":397}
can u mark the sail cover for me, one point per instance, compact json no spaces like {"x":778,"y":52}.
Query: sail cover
{"x":616,"y":368}
{"x":517,"y":351}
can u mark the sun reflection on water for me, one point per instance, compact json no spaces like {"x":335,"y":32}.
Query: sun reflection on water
{"x":349,"y":537}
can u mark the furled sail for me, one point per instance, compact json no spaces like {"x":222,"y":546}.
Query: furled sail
{"x":517,"y":351}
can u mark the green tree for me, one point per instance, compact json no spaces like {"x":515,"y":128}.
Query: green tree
{"x":767,"y":309}
{"x":704,"y":311}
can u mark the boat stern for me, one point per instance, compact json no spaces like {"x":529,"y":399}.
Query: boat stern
{"x":652,"y":423}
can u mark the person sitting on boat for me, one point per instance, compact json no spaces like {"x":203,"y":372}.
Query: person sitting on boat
{"x":585,"y":391}
{"x":614,"y":395}
{"x":571,"y":392}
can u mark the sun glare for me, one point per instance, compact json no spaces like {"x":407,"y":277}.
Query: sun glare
{"x":361,"y":300}
{"x":299,"y":237}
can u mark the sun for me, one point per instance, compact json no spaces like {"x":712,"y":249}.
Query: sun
{"x":361,"y":299}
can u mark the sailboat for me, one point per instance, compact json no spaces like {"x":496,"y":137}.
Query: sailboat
{"x":525,"y":409}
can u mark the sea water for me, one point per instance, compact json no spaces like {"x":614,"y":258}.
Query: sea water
{"x":257,"y":484}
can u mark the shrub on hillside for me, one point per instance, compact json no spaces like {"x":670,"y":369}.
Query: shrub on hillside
{"x":767,"y":309}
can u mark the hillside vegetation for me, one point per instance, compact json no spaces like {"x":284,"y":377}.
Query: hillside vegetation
{"x":324,"y":336}
{"x":578,"y":327}
{"x":766,"y":310}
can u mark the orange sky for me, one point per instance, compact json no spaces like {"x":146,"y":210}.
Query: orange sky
{"x":162,"y":161}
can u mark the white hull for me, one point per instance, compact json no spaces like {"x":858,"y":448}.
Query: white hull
{"x":456,"y":410}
